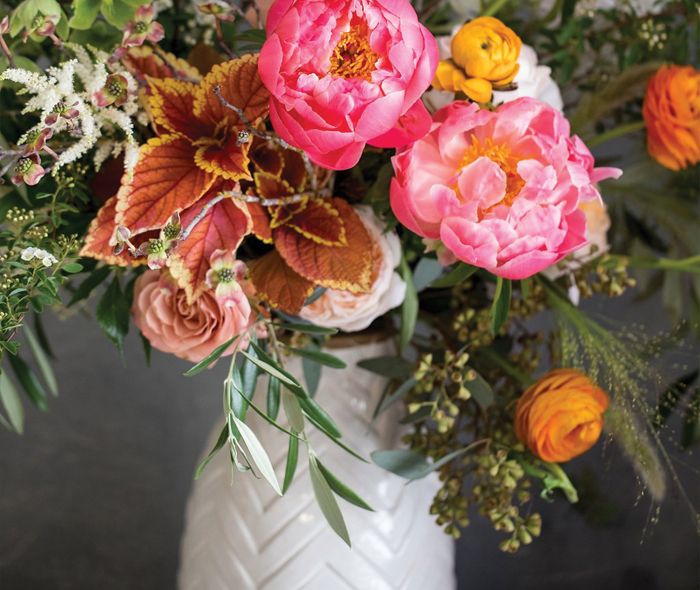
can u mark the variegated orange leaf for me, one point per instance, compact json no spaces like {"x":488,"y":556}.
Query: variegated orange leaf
{"x":319,"y":221}
{"x":224,"y":158}
{"x":165,"y":181}
{"x":261,"y":222}
{"x":170,"y":106}
{"x":279,"y":285}
{"x":99,"y":243}
{"x":222,"y":228}
{"x":149,"y":62}
{"x":348,"y":268}
{"x":240,"y":85}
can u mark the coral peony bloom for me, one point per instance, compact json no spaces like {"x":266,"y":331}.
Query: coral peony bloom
{"x":561,"y":416}
{"x":344,"y":73}
{"x":672,"y":115}
{"x":502,"y":189}
{"x":188,"y":330}
{"x":352,"y":312}
{"x":485,"y":56}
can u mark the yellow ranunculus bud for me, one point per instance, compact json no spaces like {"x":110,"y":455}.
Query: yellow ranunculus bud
{"x":486,"y":48}
{"x":560,"y":416}
{"x":450,"y":78}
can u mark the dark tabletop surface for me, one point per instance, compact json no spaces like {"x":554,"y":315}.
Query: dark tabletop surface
{"x":92,"y":496}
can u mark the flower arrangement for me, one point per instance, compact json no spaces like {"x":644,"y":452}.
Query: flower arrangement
{"x":251,"y":180}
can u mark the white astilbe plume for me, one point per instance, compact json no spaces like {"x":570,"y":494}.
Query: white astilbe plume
{"x":73,"y":84}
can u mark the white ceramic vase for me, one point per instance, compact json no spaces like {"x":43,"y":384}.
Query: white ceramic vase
{"x":239,"y":535}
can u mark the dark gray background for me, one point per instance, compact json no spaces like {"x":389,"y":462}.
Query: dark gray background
{"x":92,"y":496}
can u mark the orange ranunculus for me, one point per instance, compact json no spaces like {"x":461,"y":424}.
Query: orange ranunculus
{"x":672,"y":115}
{"x":561,"y":416}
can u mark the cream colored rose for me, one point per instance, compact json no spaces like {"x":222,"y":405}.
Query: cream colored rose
{"x":351,"y":313}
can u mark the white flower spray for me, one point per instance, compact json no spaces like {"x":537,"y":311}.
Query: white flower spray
{"x":65,"y":99}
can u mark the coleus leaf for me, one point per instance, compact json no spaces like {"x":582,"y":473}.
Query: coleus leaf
{"x":146,"y":62}
{"x":337,"y":267}
{"x":222,"y":228}
{"x":278,"y":284}
{"x":98,"y":241}
{"x":165,"y":181}
{"x":240,"y":85}
{"x":170,"y":106}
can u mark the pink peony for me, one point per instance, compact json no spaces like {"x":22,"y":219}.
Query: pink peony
{"x":501,"y":189}
{"x":344,"y":73}
{"x":189,"y":331}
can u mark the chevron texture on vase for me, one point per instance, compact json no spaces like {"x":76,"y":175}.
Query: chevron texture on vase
{"x":239,"y":535}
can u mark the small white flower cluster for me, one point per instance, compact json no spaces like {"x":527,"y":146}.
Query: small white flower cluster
{"x":108,"y":128}
{"x":32,"y":253}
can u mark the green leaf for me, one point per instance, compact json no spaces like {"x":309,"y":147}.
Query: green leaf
{"x":319,"y":416}
{"x":409,"y":308}
{"x":84,"y":13}
{"x":291,"y":466}
{"x":96,"y":278}
{"x":210,"y":358}
{"x":501,"y":304}
{"x":320,"y":357}
{"x":460,"y":273}
{"x":292,"y":410}
{"x":146,"y":348}
{"x":308,"y":328}
{"x":410,"y":464}
{"x":481,"y":391}
{"x":393,"y":367}
{"x":312,"y":375}
{"x":220,"y":442}
{"x":117,"y":12}
{"x":257,"y":454}
{"x":12,"y":403}
{"x":327,"y":502}
{"x":273,"y":397}
{"x":41,"y":360}
{"x":342,"y":490}
{"x":269,"y":368}
{"x":112,"y":314}
{"x":72,"y":267}
{"x":427,"y":270}
{"x":249,"y":376}
{"x":395,"y":396}
{"x":29,"y":382}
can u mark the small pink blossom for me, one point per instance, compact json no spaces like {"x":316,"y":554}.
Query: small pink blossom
{"x":114,"y":92}
{"x":143,"y":28}
{"x":28,"y":170}
{"x":62,"y":111}
{"x":225,"y":276}
{"x":346,"y":73}
{"x":188,"y":330}
{"x":43,"y":25}
{"x":35,"y":141}
{"x":501,"y":189}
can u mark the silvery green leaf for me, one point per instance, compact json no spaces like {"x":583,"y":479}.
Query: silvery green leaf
{"x":257,"y":454}
{"x":11,"y":401}
{"x":327,"y":502}
{"x":293,"y":411}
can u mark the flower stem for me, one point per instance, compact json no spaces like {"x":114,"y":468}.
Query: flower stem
{"x":616,"y":132}
{"x":494,"y":7}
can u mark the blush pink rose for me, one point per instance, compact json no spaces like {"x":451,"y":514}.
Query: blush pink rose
{"x":501,"y":189}
{"x":188,"y":330}
{"x":344,"y":73}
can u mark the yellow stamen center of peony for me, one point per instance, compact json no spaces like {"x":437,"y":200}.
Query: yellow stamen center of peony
{"x":353,"y":57}
{"x":506,"y":161}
